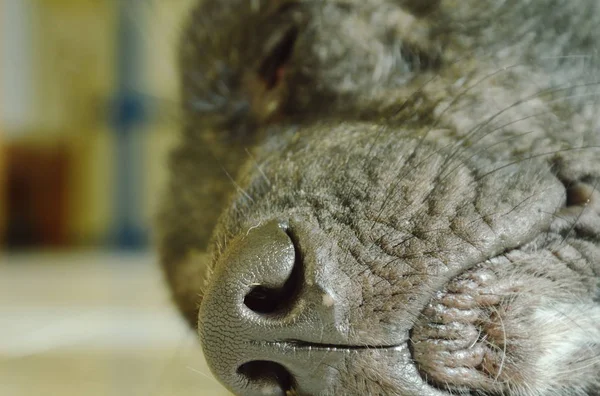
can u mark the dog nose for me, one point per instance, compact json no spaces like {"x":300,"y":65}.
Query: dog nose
{"x":261,"y":310}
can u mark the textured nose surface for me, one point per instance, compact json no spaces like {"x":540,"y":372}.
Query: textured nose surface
{"x":262,"y":309}
{"x":258,"y":305}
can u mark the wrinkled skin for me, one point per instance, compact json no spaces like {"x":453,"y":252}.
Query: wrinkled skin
{"x":392,"y":197}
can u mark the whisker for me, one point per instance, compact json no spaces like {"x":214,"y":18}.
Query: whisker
{"x":505,"y":341}
{"x":578,"y":96}
{"x":237,"y":186}
{"x":539,"y":155}
{"x":210,"y":377}
{"x":258,"y":167}
{"x":167,"y":368}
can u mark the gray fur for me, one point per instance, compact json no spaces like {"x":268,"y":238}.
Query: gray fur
{"x":438,"y":161}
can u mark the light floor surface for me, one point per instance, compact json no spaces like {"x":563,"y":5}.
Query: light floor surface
{"x":94,"y":324}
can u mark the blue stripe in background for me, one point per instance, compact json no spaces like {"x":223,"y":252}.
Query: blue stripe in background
{"x":128,"y":115}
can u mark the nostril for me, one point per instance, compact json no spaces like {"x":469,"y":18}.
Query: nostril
{"x":264,"y":300}
{"x":270,"y":376}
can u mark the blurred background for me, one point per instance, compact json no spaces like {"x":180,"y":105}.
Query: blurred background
{"x":88,"y":112}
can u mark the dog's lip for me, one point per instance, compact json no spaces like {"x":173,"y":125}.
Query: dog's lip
{"x":303,"y":345}
{"x":302,"y":360}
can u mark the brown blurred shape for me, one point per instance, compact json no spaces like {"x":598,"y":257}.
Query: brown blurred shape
{"x":36,"y":195}
{"x":2,"y":193}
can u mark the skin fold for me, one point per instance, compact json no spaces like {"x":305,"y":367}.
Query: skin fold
{"x":396,"y":197}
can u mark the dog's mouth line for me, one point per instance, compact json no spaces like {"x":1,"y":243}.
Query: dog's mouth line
{"x":303,"y":345}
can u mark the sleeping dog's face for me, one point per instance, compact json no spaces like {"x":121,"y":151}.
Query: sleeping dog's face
{"x":403,"y":196}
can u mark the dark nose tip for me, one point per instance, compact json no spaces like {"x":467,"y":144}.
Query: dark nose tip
{"x":258,"y":308}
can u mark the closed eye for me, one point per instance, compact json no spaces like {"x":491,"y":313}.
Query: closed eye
{"x":270,"y":70}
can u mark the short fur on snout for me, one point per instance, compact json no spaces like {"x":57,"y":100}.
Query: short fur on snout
{"x":427,"y":171}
